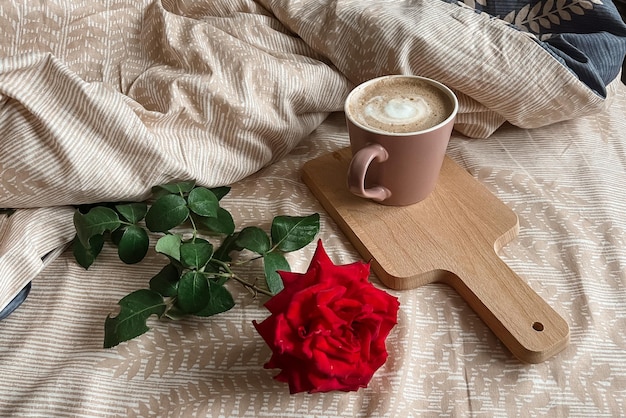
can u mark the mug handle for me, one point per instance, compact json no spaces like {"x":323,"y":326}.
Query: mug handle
{"x":359,"y":164}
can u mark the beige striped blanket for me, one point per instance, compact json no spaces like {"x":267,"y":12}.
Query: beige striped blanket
{"x":100,"y":100}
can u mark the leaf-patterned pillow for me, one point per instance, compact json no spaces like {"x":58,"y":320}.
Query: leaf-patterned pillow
{"x":588,"y":36}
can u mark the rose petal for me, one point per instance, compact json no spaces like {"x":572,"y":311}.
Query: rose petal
{"x":266,"y":330}
{"x":328,"y":326}
{"x":293,"y":283}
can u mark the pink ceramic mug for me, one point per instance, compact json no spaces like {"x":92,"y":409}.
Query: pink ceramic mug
{"x":399,"y":128}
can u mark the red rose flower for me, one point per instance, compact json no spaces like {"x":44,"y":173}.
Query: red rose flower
{"x":327,"y":327}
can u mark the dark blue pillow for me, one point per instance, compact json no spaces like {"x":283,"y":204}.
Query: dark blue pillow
{"x":588,"y":36}
{"x":16,"y":302}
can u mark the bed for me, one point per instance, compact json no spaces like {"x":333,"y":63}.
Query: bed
{"x":101,"y":100}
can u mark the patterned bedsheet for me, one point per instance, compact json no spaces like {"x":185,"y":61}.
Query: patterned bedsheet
{"x":99,"y":101}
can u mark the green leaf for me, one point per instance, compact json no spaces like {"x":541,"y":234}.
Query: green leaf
{"x":203,"y":202}
{"x":86,"y":256}
{"x":167,"y":212}
{"x":95,"y":222}
{"x":135,"y":310}
{"x":193,"y":292}
{"x":169,"y":245}
{"x":290,"y":233}
{"x":133,"y":212}
{"x":220,"y":192}
{"x":133,"y":245}
{"x":272,"y":263}
{"x":223,"y":223}
{"x":175,"y":313}
{"x":220,"y":300}
{"x":178,"y":188}
{"x":165,"y":282}
{"x":254,"y":239}
{"x":196,"y":254}
{"x":229,"y":244}
{"x":116,"y":236}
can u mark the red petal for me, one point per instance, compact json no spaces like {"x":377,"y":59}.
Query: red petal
{"x":327,"y":327}
{"x":284,"y":338}
{"x":293,"y":282}
{"x":266,"y":330}
{"x":320,"y":257}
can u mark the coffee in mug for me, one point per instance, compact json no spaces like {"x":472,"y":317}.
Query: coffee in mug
{"x":399,"y":128}
{"x":400,"y":105}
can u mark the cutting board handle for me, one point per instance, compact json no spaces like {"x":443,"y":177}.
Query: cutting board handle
{"x":523,"y":321}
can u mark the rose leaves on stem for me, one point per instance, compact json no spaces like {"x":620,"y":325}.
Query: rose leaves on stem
{"x":135,"y":309}
{"x":193,"y":281}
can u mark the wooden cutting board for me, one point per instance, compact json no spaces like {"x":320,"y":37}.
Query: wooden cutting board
{"x":452,"y":237}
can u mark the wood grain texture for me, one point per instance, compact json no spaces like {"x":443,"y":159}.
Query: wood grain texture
{"x":452,"y":237}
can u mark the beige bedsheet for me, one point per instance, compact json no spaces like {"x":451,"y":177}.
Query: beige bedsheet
{"x":104,"y":100}
{"x":565,"y":182}
{"x":101,"y":101}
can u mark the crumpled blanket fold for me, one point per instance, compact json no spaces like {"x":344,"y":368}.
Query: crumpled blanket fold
{"x":99,"y":102}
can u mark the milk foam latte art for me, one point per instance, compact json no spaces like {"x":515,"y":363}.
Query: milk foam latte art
{"x":400,"y":105}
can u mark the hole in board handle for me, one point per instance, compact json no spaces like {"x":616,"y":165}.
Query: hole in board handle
{"x":538,"y":326}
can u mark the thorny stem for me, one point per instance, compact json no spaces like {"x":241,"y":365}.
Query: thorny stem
{"x":193,"y":225}
{"x":242,"y":262}
{"x":254,"y":287}
{"x":231,"y":275}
